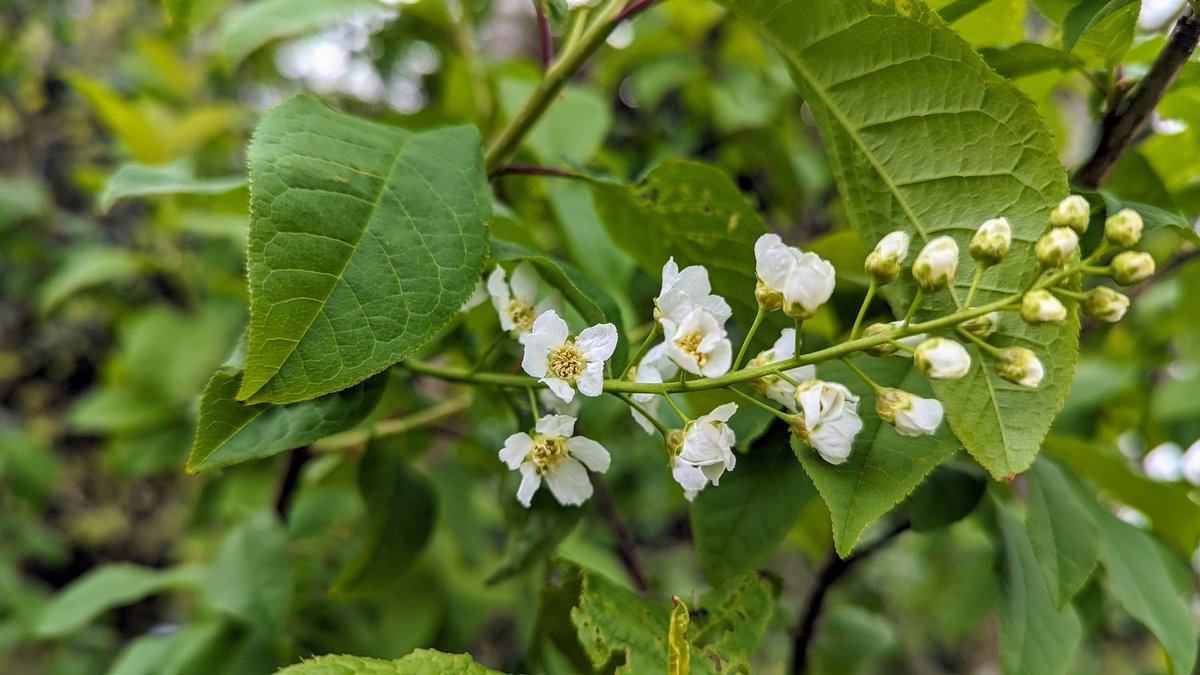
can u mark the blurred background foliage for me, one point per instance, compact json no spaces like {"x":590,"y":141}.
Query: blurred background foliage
{"x":123,"y":220}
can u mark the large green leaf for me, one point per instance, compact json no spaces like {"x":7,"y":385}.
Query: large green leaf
{"x":140,"y":180}
{"x":925,"y":138}
{"x":739,"y":525}
{"x":365,"y":240}
{"x":401,"y":508}
{"x":420,"y":662}
{"x":1065,"y":537}
{"x":1035,"y":637}
{"x":693,"y":212}
{"x":104,"y":588}
{"x":230,"y":432}
{"x":884,"y":466}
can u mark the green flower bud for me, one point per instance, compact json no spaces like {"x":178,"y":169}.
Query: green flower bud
{"x":1020,"y":365}
{"x":983,"y":326}
{"x":936,"y":264}
{"x":884,"y":262}
{"x":1105,"y":304}
{"x":1072,"y":212}
{"x":991,"y":241}
{"x":1041,"y":306}
{"x":1057,"y":247}
{"x":1124,"y":228}
{"x":1130,"y":267}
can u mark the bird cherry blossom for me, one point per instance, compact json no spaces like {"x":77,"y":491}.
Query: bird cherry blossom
{"x":703,"y":450}
{"x":515,"y":299}
{"x":827,"y":419}
{"x":790,"y":279}
{"x":776,"y":386}
{"x":561,"y":361}
{"x":553,"y":454}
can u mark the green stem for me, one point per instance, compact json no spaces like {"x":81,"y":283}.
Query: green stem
{"x":487,"y":353}
{"x":1066,"y":293}
{"x":662,"y":429}
{"x":863,"y":376}
{"x":979,"y":269}
{"x":753,"y":401}
{"x":1097,"y":271}
{"x":533,"y":404}
{"x":983,"y":344}
{"x":862,"y":311}
{"x":574,"y":55}
{"x":675,"y":407}
{"x":758,"y":318}
{"x":903,"y":347}
{"x":1099,"y":253}
{"x":912,"y":309}
{"x":637,"y":356}
{"x":395,"y":427}
{"x":799,"y":348}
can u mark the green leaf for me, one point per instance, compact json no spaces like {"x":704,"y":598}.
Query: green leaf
{"x":139,"y":180}
{"x":1035,"y":637}
{"x":735,"y":619}
{"x":1027,"y":58}
{"x":739,"y":526}
{"x":947,"y":496}
{"x":365,"y":240}
{"x":87,"y":268}
{"x":925,"y":138}
{"x":250,"y":26}
{"x":1155,"y":217}
{"x":534,"y":534}
{"x":1090,"y":13}
{"x":695,"y":213}
{"x":1065,"y":537}
{"x":572,"y":131}
{"x":679,"y":652}
{"x":229,"y":432}
{"x":251,"y":576}
{"x":420,"y":662}
{"x":884,"y":466}
{"x":401,"y":509}
{"x":105,"y":588}
{"x":592,"y":303}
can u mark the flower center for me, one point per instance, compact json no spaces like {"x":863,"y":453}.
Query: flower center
{"x":521,"y":314}
{"x":548,"y":452}
{"x":675,"y":442}
{"x":690,"y":344}
{"x":567,"y":362}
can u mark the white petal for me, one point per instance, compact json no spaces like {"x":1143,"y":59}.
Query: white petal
{"x":551,"y":327}
{"x":560,"y":388}
{"x":498,"y":288}
{"x":592,"y":454}
{"x":569,"y":483}
{"x":670,"y":272}
{"x":525,"y":282}
{"x":530,"y":482}
{"x":720,"y":357}
{"x":688,"y":476}
{"x":516,"y":447}
{"x":715,"y":305}
{"x":721,"y":413}
{"x":643,"y":421}
{"x":693,"y":282}
{"x":713,"y":472}
{"x":591,"y":381}
{"x":702,"y":445}
{"x":923,"y":419}
{"x":535,"y":361}
{"x":598,"y":342}
{"x":556,"y":425}
{"x":785,"y":347}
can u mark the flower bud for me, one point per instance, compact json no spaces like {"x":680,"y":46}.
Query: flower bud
{"x":883,"y":348}
{"x":1072,"y":212}
{"x":768,"y":298}
{"x":1057,"y":247}
{"x":1124,"y":228}
{"x":911,"y":415}
{"x":884,"y":262}
{"x":1104,"y":304}
{"x":1041,"y":306}
{"x":1020,"y":365}
{"x":936,"y":264}
{"x":991,"y":241}
{"x":942,"y":359}
{"x":983,"y":326}
{"x":1130,"y":267}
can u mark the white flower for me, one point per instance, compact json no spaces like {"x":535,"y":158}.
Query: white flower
{"x":703,"y":450}
{"x":683,"y":291}
{"x":478,"y":297}
{"x":911,"y":415}
{"x":1130,"y":267}
{"x":1072,"y":212}
{"x":775,"y":387}
{"x":654,"y":368}
{"x":936,"y":264}
{"x":1040,"y":306}
{"x":828,"y":419}
{"x":560,"y":361}
{"x":1020,"y":365}
{"x":884,"y":262}
{"x":1190,"y":465}
{"x":516,"y":301}
{"x":1124,"y":228}
{"x":1164,"y":463}
{"x":1057,"y":247}
{"x":991,"y":241}
{"x":698,"y":343}
{"x":1104,"y":304}
{"x":553,"y":454}
{"x":941,"y":359}
{"x":791,"y":279}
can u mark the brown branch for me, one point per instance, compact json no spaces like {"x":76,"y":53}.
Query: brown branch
{"x":545,"y":42}
{"x":626,"y":545}
{"x":534,"y":170}
{"x":833,"y":569}
{"x":634,"y":8}
{"x":1125,"y":120}
{"x":290,"y":480}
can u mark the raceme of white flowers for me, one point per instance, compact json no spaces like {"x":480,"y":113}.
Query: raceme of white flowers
{"x":695,"y":343}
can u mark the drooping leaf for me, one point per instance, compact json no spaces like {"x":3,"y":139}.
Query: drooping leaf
{"x":251,"y":577}
{"x":693,"y":212}
{"x":105,"y":588}
{"x":247,"y":28}
{"x":140,"y":180}
{"x":229,"y":432}
{"x":741,"y":524}
{"x":1035,"y":637}
{"x":949,"y":494}
{"x":925,"y":138}
{"x":884,"y":466}
{"x":420,"y":662}
{"x":401,"y":508}
{"x":1065,"y":537}
{"x":365,"y":240}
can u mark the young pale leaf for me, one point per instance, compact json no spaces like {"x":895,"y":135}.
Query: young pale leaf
{"x":679,"y":652}
{"x":401,"y":509}
{"x":103,"y":589}
{"x":1065,"y":537}
{"x":365,"y":240}
{"x":251,"y":578}
{"x":741,"y":524}
{"x":925,"y":138}
{"x":1035,"y":637}
{"x":140,"y":180}
{"x":420,"y":662}
{"x":884,"y":466}
{"x":695,"y":213}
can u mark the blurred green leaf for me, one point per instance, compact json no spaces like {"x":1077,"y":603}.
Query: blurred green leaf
{"x":365,"y":240}
{"x":140,"y":180}
{"x":533,"y":535}
{"x":949,"y":494}
{"x":87,"y":268}
{"x":571,"y":132}
{"x":1027,"y":58}
{"x":105,"y":588}
{"x":849,"y":638}
{"x":420,"y":662}
{"x":1064,"y":535}
{"x":1090,"y":13}
{"x":251,"y":578}
{"x":247,"y":28}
